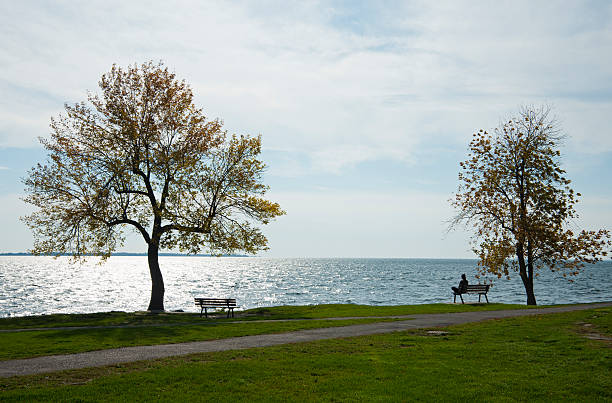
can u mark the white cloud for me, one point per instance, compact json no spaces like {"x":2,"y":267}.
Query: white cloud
{"x":332,"y":86}
{"x":311,"y":84}
{"x":365,"y":224}
{"x":14,"y":236}
{"x":594,"y":214}
{"x":336,"y":159}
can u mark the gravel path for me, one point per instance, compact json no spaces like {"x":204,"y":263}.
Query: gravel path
{"x":128,"y":354}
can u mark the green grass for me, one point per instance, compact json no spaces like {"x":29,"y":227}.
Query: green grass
{"x":143,"y":328}
{"x":34,"y":343}
{"x":540,"y":358}
{"x":97,"y":319}
{"x":347,"y":310}
{"x":281,"y":312}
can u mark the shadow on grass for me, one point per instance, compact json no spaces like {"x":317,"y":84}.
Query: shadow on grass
{"x":112,"y":318}
{"x":50,"y":342}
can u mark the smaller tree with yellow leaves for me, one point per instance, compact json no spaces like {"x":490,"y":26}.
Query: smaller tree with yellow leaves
{"x":517,"y":199}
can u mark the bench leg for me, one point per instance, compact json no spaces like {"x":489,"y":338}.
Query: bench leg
{"x":454,"y":298}
{"x":479,"y":295}
{"x":487,"y":298}
{"x":201,"y":311}
{"x":206,"y":312}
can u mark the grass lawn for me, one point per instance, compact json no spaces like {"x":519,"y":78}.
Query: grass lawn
{"x":347,"y":310}
{"x":150,"y":329}
{"x":34,"y":343}
{"x":540,"y":358}
{"x":280,"y":312}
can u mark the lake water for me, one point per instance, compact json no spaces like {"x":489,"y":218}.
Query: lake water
{"x":41,"y":285}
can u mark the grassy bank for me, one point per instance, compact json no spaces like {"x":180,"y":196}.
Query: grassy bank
{"x":36,"y":343}
{"x":350,"y":310}
{"x":539,"y":358}
{"x":280,"y":312}
{"x":100,"y":331}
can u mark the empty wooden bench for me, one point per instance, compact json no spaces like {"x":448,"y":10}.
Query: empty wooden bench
{"x":205,"y":303}
{"x":480,"y":289}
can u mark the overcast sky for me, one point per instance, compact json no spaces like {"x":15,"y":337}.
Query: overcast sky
{"x":365,"y":108}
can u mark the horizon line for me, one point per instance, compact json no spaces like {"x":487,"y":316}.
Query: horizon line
{"x":171,"y":254}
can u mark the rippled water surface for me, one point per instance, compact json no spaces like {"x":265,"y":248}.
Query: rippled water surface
{"x":40,"y":285}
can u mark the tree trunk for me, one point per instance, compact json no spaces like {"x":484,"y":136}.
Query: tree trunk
{"x":528,"y":283}
{"x":526,"y":276}
{"x":530,"y":295}
{"x":157,"y":281}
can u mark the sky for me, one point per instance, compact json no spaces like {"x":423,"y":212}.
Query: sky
{"x":366,"y":108}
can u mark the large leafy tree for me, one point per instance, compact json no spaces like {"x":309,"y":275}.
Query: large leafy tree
{"x":142,"y":156}
{"x":515,"y":195}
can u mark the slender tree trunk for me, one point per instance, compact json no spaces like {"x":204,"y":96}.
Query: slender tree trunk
{"x":526,"y":274}
{"x":528,"y":282}
{"x":157,"y":281}
{"x":530,"y":295}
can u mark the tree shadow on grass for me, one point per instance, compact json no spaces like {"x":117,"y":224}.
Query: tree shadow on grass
{"x":53,"y":342}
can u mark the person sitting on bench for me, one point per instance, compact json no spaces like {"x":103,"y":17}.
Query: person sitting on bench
{"x":462,"y":286}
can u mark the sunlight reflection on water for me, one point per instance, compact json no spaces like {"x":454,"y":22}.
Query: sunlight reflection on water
{"x":40,"y":285}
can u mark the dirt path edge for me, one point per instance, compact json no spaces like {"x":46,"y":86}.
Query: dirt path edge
{"x":139,"y":353}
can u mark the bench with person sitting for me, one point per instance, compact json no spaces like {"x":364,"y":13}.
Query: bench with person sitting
{"x":465,"y":288}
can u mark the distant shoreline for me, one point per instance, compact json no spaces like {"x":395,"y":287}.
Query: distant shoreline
{"x":120,"y":254}
{"x":238,"y":255}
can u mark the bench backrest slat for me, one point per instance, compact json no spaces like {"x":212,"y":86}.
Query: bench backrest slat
{"x":215,"y":301}
{"x":477,"y":287}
